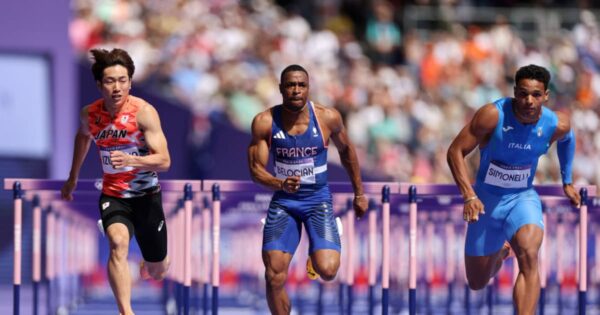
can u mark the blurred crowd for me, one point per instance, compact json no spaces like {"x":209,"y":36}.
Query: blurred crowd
{"x":403,"y":95}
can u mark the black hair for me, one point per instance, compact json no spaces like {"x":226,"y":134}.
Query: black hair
{"x":291,"y":68}
{"x":104,"y":59}
{"x":533,"y":72}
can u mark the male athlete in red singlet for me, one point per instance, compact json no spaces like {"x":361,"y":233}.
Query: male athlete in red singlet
{"x":132,"y":146}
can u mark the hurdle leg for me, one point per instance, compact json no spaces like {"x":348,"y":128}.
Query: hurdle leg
{"x":18,"y":212}
{"x":37,"y":223}
{"x":350,"y":255}
{"x":372,"y":258}
{"x":206,"y":223}
{"x":490,"y":296}
{"x":450,"y":262}
{"x":187,"y":248}
{"x":583,"y":217}
{"x":216,"y":243}
{"x":543,"y":266}
{"x":385,"y":272}
{"x":412,"y":268}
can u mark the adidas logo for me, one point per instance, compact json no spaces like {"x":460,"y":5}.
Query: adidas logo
{"x":279,"y":135}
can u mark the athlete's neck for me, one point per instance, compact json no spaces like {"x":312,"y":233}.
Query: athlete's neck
{"x":114,"y":108}
{"x":294,"y":111}
{"x":525,"y":120}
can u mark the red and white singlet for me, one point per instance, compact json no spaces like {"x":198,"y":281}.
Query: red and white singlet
{"x":123,"y":134}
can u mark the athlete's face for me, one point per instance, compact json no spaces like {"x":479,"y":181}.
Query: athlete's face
{"x":530,"y":95}
{"x":294,"y":90}
{"x":115,"y":85}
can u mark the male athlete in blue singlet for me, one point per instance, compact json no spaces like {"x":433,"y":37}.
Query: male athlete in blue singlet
{"x":296,"y":133}
{"x":512,"y":133}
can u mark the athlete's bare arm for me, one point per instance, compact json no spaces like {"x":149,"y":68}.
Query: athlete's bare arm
{"x":258,"y":156}
{"x":81,"y":147}
{"x":476,"y":133}
{"x":333,"y":120}
{"x":562,"y":129}
{"x":159,"y":159}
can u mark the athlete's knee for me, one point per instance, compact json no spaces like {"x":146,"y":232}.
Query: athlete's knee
{"x":478,"y":277}
{"x":327,"y":270}
{"x":158,"y":270}
{"x":528,"y":258}
{"x":275,"y":279}
{"x":157,"y":273}
{"x":477,"y":283}
{"x":119,"y":245}
{"x":328,"y":274}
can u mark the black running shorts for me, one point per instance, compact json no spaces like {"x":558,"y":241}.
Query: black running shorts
{"x":144,"y":218}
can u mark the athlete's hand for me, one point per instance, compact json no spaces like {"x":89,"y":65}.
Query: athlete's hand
{"x":472,"y":209}
{"x":572,"y":194}
{"x":291,"y":184}
{"x":361,"y":204}
{"x":119,"y":159}
{"x":66,"y":192}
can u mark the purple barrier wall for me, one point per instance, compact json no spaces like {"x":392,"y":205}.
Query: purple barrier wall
{"x":42,"y":27}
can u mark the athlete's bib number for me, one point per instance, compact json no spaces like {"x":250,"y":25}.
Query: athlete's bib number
{"x":107,"y":166}
{"x":507,"y":176}
{"x":304,"y":169}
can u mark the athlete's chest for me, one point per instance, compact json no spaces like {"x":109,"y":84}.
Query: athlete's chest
{"x":515,"y":139}
{"x":106,"y":128}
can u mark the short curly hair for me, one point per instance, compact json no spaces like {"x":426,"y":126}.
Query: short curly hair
{"x":533,"y":72}
{"x":292,"y":68}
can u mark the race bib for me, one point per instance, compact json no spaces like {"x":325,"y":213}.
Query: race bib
{"x":304,"y":168}
{"x":507,"y":176}
{"x":107,"y":166}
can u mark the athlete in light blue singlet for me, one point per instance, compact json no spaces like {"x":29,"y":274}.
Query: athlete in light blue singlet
{"x":503,"y":208}
{"x":296,"y":134}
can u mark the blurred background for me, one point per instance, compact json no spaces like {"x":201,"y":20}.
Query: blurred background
{"x":405,"y":75}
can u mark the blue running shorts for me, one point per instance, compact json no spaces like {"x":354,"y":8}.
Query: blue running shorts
{"x":504,"y":215}
{"x":286,"y":214}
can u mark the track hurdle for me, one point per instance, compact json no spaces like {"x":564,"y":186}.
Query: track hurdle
{"x":84,"y":187}
{"x":230,"y":186}
{"x":422,"y":191}
{"x":372,"y":254}
{"x":22,"y":187}
{"x":178,"y":195}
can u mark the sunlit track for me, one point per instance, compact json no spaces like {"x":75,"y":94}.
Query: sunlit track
{"x":389,"y":260}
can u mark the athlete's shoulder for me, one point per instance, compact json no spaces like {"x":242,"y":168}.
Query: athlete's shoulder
{"x":138,"y":102}
{"x":325,"y":112}
{"x":263,"y":120}
{"x":91,"y":109}
{"x":94,"y":106}
{"x":266,"y":115}
{"x":563,"y":122}
{"x":486,"y":117}
{"x":490,"y":108}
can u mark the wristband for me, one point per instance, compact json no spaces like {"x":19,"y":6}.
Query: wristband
{"x":471,"y":199}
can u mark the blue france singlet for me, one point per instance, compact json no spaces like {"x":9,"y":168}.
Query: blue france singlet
{"x":303,"y":155}
{"x":509,"y":161}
